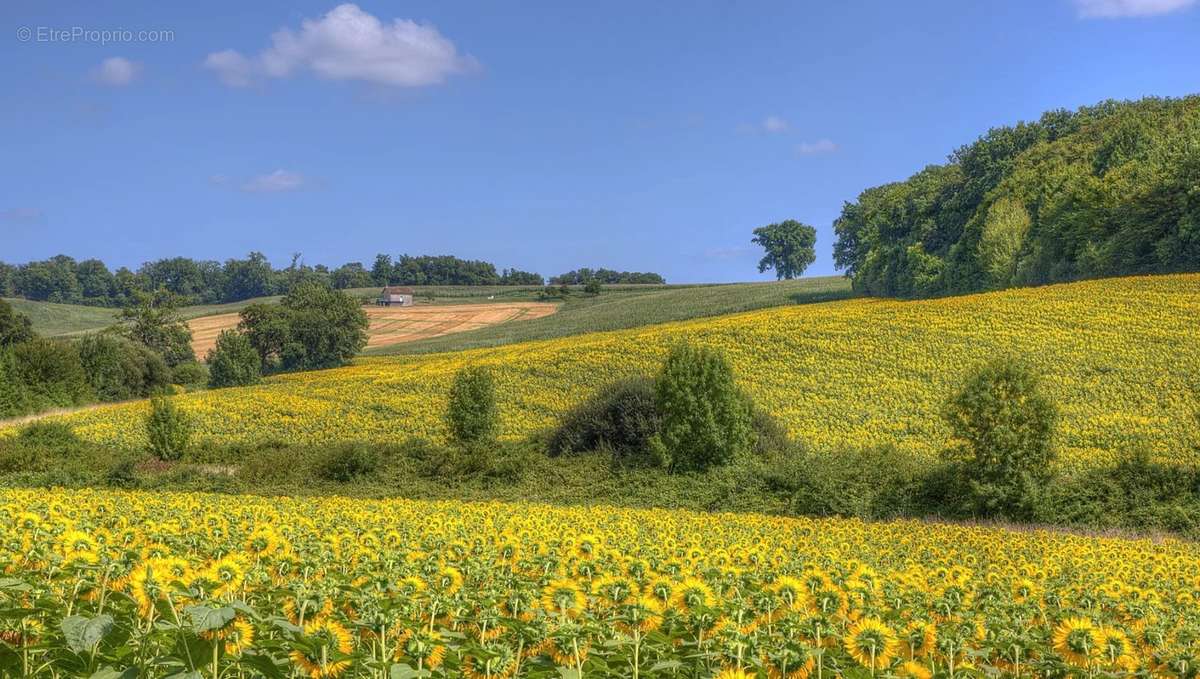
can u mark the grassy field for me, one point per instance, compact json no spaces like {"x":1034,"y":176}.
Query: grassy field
{"x":622,"y":307}
{"x":63,"y":319}
{"x":1121,"y":358}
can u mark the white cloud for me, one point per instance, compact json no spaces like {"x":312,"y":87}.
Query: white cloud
{"x":1110,"y":9}
{"x":775,"y":124}
{"x":278,"y":181}
{"x":22,"y":214}
{"x":117,"y":71}
{"x":232,"y":68}
{"x":814,"y":147}
{"x":349,"y":44}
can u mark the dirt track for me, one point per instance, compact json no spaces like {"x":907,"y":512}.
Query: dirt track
{"x":395,"y":325}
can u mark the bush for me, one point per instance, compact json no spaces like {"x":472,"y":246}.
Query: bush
{"x":14,"y":396}
{"x":15,"y":327}
{"x":706,"y":420}
{"x":40,"y":446}
{"x":168,"y":429}
{"x":348,"y":463}
{"x":51,"y":373}
{"x":1137,"y":493}
{"x":592,"y":287}
{"x":471,"y":415}
{"x":119,"y":369}
{"x":620,"y":417}
{"x":190,"y":374}
{"x":870,"y":483}
{"x":233,"y":362}
{"x":1004,"y":427}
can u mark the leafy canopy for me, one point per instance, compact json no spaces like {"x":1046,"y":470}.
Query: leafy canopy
{"x":790,"y":248}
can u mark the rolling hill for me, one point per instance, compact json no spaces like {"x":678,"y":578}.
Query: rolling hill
{"x":1121,"y":357}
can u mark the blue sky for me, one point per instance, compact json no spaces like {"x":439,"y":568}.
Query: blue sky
{"x":539,"y":135}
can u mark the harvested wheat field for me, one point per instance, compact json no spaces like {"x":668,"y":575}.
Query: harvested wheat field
{"x":394,"y":325}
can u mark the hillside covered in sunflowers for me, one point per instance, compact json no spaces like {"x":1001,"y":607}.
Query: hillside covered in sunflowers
{"x":193,"y":585}
{"x":1120,"y":356}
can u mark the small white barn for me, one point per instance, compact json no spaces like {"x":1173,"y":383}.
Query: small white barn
{"x":393,"y":296}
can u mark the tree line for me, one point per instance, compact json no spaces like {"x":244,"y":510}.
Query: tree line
{"x":91,"y":282}
{"x":607,"y":277}
{"x":1106,"y":190}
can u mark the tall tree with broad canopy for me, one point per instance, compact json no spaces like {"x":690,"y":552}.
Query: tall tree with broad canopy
{"x":790,"y":248}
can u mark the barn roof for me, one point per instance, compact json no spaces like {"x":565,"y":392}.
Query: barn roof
{"x":396,"y":290}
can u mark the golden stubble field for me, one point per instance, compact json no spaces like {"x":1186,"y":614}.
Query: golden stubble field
{"x":395,"y":325}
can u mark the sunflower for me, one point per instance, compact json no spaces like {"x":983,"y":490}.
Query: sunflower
{"x":644,"y":615}
{"x":498,"y":662}
{"x":325,"y":656}
{"x":226,"y":575}
{"x":564,"y":597}
{"x":871,"y":643}
{"x":423,"y":647}
{"x":794,"y":662}
{"x":735,"y":673}
{"x":447,"y":581}
{"x":791,"y":590}
{"x":567,"y":646}
{"x":264,"y":541}
{"x":919,"y":639}
{"x":613,"y":589}
{"x":1115,"y":649}
{"x":914,"y":670}
{"x":692,"y":595}
{"x":238,"y":635}
{"x":1078,"y":641}
{"x":147,"y":586}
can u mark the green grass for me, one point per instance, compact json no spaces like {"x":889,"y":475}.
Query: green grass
{"x":621,"y":307}
{"x":63,"y":319}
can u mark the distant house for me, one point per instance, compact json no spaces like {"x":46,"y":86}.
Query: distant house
{"x":393,"y":296}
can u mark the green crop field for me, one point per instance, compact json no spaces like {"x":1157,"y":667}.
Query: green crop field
{"x":622,"y":307}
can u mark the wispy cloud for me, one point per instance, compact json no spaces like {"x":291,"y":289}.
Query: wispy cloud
{"x":770,"y":125}
{"x":349,"y":44}
{"x":279,"y":181}
{"x":22,"y":215}
{"x":1113,"y":9}
{"x":811,"y":148}
{"x":116,"y":72}
{"x":775,"y":125}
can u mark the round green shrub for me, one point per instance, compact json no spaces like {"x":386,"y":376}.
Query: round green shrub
{"x":620,"y":417}
{"x":168,"y":429}
{"x":233,"y":362}
{"x":706,"y":419}
{"x":472,"y":415}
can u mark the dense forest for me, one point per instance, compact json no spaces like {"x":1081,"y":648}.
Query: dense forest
{"x":63,"y":279}
{"x":1111,"y":189}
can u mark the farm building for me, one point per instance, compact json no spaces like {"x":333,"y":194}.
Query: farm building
{"x":393,"y":296}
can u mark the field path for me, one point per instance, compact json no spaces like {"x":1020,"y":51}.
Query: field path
{"x":395,"y":325}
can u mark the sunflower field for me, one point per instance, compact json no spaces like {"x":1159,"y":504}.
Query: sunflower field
{"x":127,"y":584}
{"x":1120,"y":357}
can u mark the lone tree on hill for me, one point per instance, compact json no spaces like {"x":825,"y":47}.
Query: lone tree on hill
{"x":790,"y":248}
